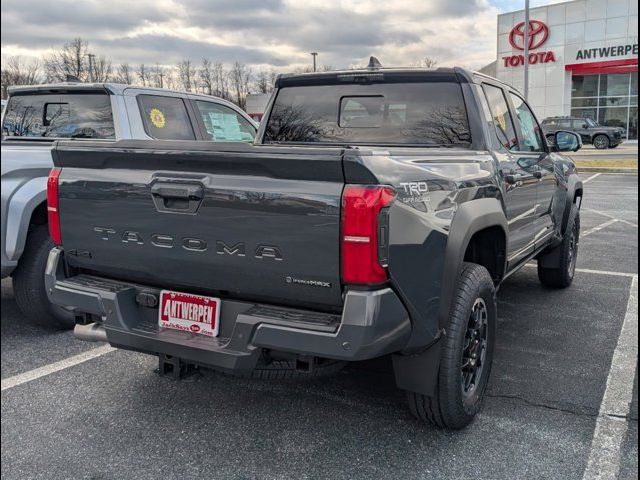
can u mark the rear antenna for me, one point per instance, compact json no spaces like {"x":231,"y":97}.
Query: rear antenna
{"x":374,"y":63}
{"x":73,"y":79}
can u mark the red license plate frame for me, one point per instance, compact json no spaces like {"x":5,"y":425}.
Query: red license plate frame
{"x":187,"y":312}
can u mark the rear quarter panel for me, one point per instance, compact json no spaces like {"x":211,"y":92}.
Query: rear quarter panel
{"x":25,"y":167}
{"x":431,"y":187}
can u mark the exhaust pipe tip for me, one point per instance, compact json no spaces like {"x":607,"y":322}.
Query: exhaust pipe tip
{"x":92,"y":332}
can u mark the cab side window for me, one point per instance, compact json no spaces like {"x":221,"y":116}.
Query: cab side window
{"x":165,"y":118}
{"x":531,"y":140}
{"x":502,"y":120}
{"x":223,"y":124}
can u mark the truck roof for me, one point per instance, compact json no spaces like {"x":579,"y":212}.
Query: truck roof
{"x":342,"y":76}
{"x":113,"y":88}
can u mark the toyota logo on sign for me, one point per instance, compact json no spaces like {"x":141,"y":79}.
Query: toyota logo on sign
{"x":538,"y":34}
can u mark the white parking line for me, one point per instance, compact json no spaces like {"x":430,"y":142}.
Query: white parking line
{"x":611,"y":426}
{"x":534,"y":264}
{"x":54,"y":367}
{"x":591,"y":178}
{"x":599,"y":227}
{"x":610,"y":216}
{"x":607,"y":272}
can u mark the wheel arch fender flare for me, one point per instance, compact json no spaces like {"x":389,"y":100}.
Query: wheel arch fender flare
{"x":470,"y":218}
{"x":574,"y":185}
{"x":20,"y":208}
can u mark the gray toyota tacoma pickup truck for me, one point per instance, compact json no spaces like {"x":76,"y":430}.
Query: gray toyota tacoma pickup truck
{"x":37,"y":115}
{"x":377,"y":213}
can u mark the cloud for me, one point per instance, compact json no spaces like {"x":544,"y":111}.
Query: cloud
{"x":262,"y":33}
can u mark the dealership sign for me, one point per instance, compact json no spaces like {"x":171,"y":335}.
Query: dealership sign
{"x":537,"y":35}
{"x":607,"y":52}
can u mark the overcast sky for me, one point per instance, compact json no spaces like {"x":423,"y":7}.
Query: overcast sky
{"x":261,"y":33}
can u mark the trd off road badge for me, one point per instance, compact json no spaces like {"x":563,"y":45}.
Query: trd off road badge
{"x":157,"y":118}
{"x":415,"y":194}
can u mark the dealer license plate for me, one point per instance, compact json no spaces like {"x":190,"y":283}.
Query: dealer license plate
{"x":189,"y":313}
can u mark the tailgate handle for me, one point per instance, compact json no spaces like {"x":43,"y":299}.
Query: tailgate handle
{"x":186,"y":192}
{"x":177,"y":197}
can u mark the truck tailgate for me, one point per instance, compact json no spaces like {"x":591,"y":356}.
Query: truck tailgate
{"x":249,"y":222}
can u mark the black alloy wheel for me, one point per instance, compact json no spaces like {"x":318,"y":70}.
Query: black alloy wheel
{"x":475,"y":348}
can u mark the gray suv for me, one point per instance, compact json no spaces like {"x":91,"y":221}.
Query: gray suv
{"x":590,"y":131}
{"x":36,"y":116}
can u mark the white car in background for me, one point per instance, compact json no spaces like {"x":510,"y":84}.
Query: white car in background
{"x":35,"y":116}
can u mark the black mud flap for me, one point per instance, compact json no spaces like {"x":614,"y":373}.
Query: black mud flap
{"x":418,"y":372}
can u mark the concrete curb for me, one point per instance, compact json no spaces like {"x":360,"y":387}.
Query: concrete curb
{"x":608,"y":170}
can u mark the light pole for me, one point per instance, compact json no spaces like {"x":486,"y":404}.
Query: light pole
{"x":314,"y":55}
{"x":526,"y":49}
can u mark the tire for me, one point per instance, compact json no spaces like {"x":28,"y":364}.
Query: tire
{"x":560,"y":274}
{"x":458,"y":396}
{"x":601,"y":142}
{"x":28,"y":283}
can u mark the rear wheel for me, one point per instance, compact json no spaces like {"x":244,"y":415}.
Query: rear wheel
{"x":28,"y":283}
{"x":557,"y":267}
{"x":601,"y":142}
{"x":466,"y":356}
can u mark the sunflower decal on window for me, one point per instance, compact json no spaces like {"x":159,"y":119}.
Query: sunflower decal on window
{"x":157,"y":118}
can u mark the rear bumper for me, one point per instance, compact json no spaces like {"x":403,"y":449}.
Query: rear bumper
{"x":372,"y":324}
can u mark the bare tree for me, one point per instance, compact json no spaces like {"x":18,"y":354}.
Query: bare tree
{"x":101,"y":69}
{"x":240,"y":77}
{"x":272,"y":78}
{"x":18,"y":72}
{"x":71,"y":59}
{"x":144,"y":75}
{"x":170,"y":80}
{"x":124,"y":74}
{"x":206,"y":75}
{"x":426,"y":62}
{"x":221,"y":81}
{"x":158,"y":76}
{"x":187,"y":75}
{"x":262,"y":83}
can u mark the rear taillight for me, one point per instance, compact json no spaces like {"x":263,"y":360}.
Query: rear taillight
{"x":53,"y":206}
{"x":361,"y":230}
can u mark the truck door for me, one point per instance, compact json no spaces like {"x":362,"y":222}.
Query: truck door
{"x":534,"y":156}
{"x":581,"y":127}
{"x":518,"y":178}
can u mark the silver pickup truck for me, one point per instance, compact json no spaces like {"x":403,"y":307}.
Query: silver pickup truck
{"x":35,"y":116}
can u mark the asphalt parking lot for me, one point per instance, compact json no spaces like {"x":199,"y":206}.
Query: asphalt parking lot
{"x":113,"y":417}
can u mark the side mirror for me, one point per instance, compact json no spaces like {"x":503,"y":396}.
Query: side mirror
{"x":567,"y":142}
{"x":584,"y":125}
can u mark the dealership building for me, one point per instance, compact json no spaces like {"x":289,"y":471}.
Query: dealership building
{"x":583,"y":60}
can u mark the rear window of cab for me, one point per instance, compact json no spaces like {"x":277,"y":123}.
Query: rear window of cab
{"x":69,"y":115}
{"x":422,"y":113}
